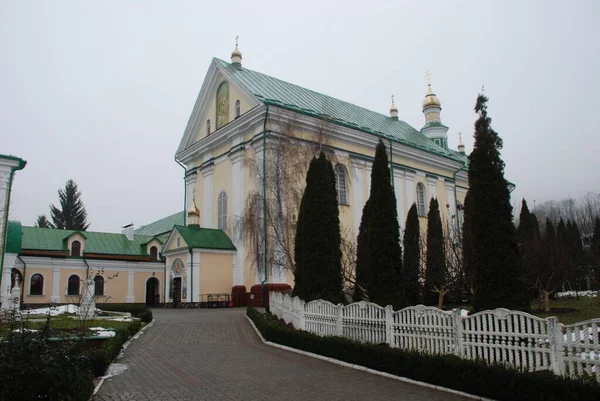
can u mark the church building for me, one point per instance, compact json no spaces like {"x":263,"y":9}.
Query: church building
{"x":238,"y":192}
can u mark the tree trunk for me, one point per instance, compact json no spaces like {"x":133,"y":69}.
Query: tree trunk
{"x":441,"y":295}
{"x":546,"y":301}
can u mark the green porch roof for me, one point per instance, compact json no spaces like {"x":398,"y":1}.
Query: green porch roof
{"x":50,"y":239}
{"x":205,"y":238}
{"x":164,"y":225}
{"x":283,"y":94}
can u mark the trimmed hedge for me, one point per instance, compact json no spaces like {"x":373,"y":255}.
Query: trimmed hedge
{"x":473,"y":377}
{"x":140,"y":311}
{"x":101,"y":358}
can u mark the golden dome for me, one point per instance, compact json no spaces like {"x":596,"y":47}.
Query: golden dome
{"x":393,"y":108}
{"x":431,"y":100}
{"x":193,"y":210}
{"x":236,"y":52}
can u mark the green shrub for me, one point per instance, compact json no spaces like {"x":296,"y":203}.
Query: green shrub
{"x":101,"y":358}
{"x":496,"y":382}
{"x":140,"y":311}
{"x":34,"y":368}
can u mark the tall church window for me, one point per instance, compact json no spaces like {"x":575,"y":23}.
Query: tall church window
{"x":222,"y":105}
{"x":222,"y":205}
{"x":75,"y":248}
{"x":73,"y":285}
{"x":98,"y":285}
{"x":340,"y":184}
{"x":36,"y":286}
{"x":421,"y":200}
{"x":207,"y":127}
{"x":237,"y":109}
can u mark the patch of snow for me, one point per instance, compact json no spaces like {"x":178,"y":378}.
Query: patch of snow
{"x":102,"y":332}
{"x":121,"y":319}
{"x":115,"y":369}
{"x":572,"y":294}
{"x":53,"y":310}
{"x":464,"y":312}
{"x":22,"y":330}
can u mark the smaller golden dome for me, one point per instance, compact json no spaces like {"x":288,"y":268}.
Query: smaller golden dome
{"x":393,"y":108}
{"x":236,"y":52}
{"x":193,"y":210}
{"x":431,"y":100}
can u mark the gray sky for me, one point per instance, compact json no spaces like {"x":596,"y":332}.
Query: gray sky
{"x":101,"y":91}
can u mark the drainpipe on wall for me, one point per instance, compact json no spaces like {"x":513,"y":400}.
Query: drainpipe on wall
{"x":191,"y":275}
{"x":262,"y":285}
{"x":184,"y":191}
{"x":21,"y":166}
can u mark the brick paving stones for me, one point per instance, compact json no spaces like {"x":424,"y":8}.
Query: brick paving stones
{"x":214,"y":354}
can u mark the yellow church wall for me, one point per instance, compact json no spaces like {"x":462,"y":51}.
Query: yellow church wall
{"x":47,"y":290}
{"x":221,"y":182}
{"x":173,"y":244}
{"x":139,"y":289}
{"x":115,"y":288}
{"x":64,"y":282}
{"x":216,"y":272}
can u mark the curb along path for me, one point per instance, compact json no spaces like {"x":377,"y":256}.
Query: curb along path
{"x":214,"y":354}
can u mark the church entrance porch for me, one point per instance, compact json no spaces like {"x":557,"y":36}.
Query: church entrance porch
{"x":176,"y":292}
{"x":152,"y":292}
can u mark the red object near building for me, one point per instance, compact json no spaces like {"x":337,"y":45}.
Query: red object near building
{"x":254,"y":297}
{"x":238,"y":295}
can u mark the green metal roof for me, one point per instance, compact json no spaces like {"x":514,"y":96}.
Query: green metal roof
{"x":283,"y":94}
{"x":462,"y":157}
{"x":163,"y":225}
{"x":13,"y":237}
{"x":22,"y":162}
{"x":206,"y":238}
{"x":50,"y":239}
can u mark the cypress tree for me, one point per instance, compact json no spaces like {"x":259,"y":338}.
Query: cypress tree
{"x":362,"y":249}
{"x":321,"y":255}
{"x":527,"y":237}
{"x":299,"y":290}
{"x":412,"y":257}
{"x":435,"y":269}
{"x":72,"y":214}
{"x":384,"y":283}
{"x":499,"y":280}
{"x":467,"y":249}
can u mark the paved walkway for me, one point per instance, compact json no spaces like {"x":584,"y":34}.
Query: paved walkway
{"x":214,"y":354}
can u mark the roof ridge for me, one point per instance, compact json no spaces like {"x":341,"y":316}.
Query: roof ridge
{"x":316,"y":92}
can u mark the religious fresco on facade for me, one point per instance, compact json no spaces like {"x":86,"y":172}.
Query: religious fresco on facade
{"x":184,"y":287}
{"x":222,"y":105}
{"x":177,"y":267}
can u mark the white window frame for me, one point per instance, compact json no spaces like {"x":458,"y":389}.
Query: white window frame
{"x":421,"y":196}
{"x":43,"y":286}
{"x":341,"y":184}
{"x":222,"y":210}
{"x":78,"y":289}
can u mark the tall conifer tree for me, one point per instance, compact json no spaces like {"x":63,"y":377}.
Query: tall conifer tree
{"x":320,"y":260}
{"x":385,"y":284}
{"x":435,"y":269}
{"x":362,"y":249}
{"x":72,"y":214}
{"x":499,"y":280}
{"x":412,"y":256}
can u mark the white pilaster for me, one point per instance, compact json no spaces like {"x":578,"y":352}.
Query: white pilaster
{"x":237,"y":201}
{"x":9,"y":262}
{"x":55,"y":298}
{"x":195,"y":273}
{"x":410,"y":189}
{"x":452,"y":204}
{"x":399,"y":192}
{"x":369,"y":167}
{"x":432,"y":189}
{"x":358,"y":191}
{"x":207,"y":198}
{"x":130,"y":287}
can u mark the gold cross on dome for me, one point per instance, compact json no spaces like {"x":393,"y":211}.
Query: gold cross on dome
{"x":236,"y":40}
{"x":460,"y":136}
{"x":428,"y":77}
{"x":392,"y":99}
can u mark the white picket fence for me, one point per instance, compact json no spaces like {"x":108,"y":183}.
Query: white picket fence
{"x":497,"y":336}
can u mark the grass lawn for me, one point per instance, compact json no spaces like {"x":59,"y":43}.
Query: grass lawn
{"x":586,"y":308}
{"x":67,"y":323}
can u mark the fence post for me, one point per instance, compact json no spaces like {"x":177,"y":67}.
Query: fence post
{"x":389,"y":325}
{"x":457,"y":329}
{"x":340,"y":328}
{"x":557,"y":361}
{"x":302,"y":315}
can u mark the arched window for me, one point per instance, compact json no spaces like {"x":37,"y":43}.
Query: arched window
{"x":421,"y":200}
{"x":98,"y":285}
{"x":36,"y":286}
{"x":207,"y":127}
{"x":73,"y":285}
{"x":222,"y":204}
{"x":340,"y":184}
{"x":237,"y":109}
{"x":75,"y":248}
{"x":154,"y":253}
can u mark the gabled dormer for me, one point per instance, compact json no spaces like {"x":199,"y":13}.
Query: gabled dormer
{"x":153,"y":248}
{"x":75,"y":243}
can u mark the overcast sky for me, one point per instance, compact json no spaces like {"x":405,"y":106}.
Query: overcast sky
{"x":101,"y":92}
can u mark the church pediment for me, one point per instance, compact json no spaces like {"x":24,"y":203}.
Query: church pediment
{"x":220,"y":101}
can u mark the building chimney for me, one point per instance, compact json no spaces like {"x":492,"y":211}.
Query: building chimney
{"x":128,"y":231}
